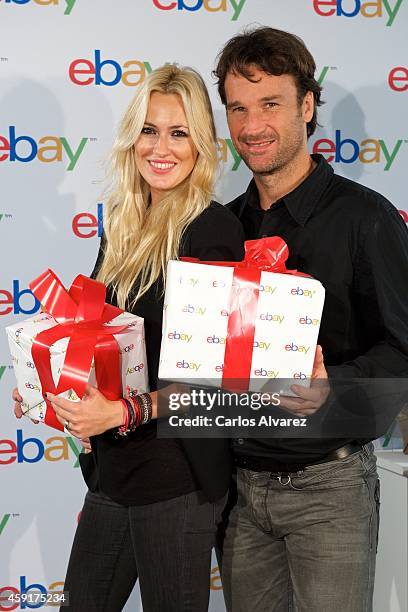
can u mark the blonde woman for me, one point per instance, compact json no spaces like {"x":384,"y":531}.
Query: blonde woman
{"x":153,"y":505}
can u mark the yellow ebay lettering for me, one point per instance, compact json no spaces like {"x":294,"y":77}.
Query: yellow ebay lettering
{"x":267,"y":289}
{"x":275,"y":318}
{"x":264,"y":346}
{"x":194,"y":309}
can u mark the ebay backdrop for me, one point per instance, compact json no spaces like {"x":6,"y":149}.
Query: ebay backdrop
{"x":68,"y":68}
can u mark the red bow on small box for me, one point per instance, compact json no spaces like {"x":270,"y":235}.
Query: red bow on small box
{"x":262,"y":255}
{"x":81,"y":314}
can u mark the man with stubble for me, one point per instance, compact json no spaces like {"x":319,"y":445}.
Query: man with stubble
{"x":305,"y":526}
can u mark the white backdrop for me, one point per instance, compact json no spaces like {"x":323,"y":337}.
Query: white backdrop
{"x":59,"y":105}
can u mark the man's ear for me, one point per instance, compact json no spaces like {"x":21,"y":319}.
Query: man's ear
{"x":308,"y":106}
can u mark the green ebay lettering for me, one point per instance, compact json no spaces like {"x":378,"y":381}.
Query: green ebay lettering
{"x":226,"y":146}
{"x":75,"y":449}
{"x":390,"y":156}
{"x":237,"y":6}
{"x":73,"y":156}
{"x":322,"y":75}
{"x":391,"y":13}
{"x":4,"y":522}
{"x":70,"y":6}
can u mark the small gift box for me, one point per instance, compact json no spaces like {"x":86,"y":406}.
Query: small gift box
{"x":246,"y":323}
{"x":77,"y":340}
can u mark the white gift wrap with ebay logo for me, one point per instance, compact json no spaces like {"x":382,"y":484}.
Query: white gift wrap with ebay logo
{"x":195,"y":322}
{"x":131,"y":344}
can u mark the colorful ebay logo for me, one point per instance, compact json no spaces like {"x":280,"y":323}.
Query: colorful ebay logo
{"x":47,"y":149}
{"x":107,"y":71}
{"x":69,"y":4}
{"x":30,"y":596}
{"x":211,"y":6}
{"x":348,"y":150}
{"x":33,"y":450}
{"x":353,"y":8}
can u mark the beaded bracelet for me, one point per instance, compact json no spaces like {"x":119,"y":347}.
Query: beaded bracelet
{"x":123,"y":429}
{"x":138,"y":410}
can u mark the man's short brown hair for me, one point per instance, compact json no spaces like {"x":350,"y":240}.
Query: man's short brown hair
{"x":274,"y":52}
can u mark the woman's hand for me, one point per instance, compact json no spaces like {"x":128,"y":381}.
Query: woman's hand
{"x":92,"y":415}
{"x":86,"y":443}
{"x":18,"y":411}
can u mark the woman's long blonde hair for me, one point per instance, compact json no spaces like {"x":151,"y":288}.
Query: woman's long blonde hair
{"x":141,"y":239}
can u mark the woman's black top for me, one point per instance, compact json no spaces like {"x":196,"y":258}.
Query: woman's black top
{"x":141,"y":468}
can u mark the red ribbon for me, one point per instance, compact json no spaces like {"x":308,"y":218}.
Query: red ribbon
{"x":81,"y":314}
{"x":263,"y":255}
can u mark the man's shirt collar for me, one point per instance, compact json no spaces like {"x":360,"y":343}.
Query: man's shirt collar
{"x":301,"y":201}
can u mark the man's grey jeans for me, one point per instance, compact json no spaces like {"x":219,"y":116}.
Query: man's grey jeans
{"x":310,"y":538}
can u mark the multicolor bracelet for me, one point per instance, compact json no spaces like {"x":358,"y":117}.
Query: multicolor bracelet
{"x":137,"y":410}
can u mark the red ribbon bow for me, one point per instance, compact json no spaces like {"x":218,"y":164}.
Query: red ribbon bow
{"x":262,"y":255}
{"x":81,"y":314}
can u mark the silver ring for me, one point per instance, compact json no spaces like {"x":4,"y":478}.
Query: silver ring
{"x":66,"y":425}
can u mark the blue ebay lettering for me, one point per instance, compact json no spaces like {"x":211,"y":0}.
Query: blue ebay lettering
{"x":11,"y":301}
{"x":348,"y":150}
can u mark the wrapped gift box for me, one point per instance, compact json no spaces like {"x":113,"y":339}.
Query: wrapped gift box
{"x":130,"y":359}
{"x":197,"y":310}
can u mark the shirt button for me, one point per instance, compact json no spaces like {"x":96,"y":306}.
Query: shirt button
{"x":240,"y":440}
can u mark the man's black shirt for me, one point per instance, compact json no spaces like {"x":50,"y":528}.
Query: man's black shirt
{"x":354,"y":242}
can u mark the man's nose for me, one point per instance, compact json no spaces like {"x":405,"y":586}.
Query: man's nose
{"x":254,"y":123}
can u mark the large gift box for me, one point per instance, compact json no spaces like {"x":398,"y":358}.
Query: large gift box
{"x":78,"y":340}
{"x":240,"y":325}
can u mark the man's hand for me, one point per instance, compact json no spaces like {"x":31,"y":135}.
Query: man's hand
{"x":310,"y":399}
{"x":92,"y":415}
